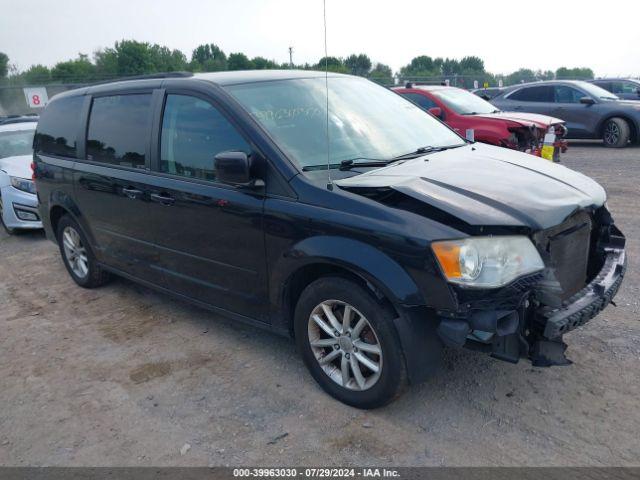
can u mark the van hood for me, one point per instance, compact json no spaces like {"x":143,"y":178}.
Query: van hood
{"x":19,"y":166}
{"x":484,"y":185}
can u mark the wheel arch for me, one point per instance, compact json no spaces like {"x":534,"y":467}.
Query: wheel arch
{"x":62,"y":204}
{"x":321,"y":256}
{"x":633,"y":125}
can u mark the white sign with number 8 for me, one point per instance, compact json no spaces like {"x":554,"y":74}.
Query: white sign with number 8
{"x":36,"y":97}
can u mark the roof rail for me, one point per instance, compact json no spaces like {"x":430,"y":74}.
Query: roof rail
{"x":149,"y":76}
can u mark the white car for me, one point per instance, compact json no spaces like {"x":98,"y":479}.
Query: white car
{"x":18,"y":200}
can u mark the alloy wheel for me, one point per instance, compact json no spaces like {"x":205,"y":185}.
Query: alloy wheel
{"x":345,"y":345}
{"x":75,"y":252}
{"x":611,"y":133}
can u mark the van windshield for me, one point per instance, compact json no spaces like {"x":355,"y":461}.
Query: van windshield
{"x":366,"y":121}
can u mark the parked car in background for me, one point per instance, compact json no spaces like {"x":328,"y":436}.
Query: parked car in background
{"x":6,"y":120}
{"x":589,"y":111}
{"x":625,"y":88}
{"x":18,"y":200}
{"x":462,"y":110}
{"x":488,"y":93}
{"x":372,"y":245}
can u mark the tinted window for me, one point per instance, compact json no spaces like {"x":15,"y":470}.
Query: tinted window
{"x":420,"y":100}
{"x":624,"y":87}
{"x":58,"y":127}
{"x":606,"y":85}
{"x":566,"y":94}
{"x":533,"y":94}
{"x":118,"y":128}
{"x":193,"y":132}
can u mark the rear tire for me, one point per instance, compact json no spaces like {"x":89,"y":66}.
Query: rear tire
{"x":616,"y":133}
{"x":77,"y":255}
{"x":365,"y":366}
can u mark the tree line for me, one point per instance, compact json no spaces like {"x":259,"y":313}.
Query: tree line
{"x":130,"y":57}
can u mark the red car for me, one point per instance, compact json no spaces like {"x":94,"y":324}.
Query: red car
{"x":462,"y":111}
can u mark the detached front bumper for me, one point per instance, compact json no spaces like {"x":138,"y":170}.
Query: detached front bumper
{"x":513,"y":323}
{"x":589,"y":301}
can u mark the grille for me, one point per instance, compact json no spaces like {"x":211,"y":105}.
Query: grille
{"x":568,"y":247}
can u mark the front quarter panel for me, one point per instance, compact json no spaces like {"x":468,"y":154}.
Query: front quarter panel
{"x":389,"y":248}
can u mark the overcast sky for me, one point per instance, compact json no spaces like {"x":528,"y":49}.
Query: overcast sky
{"x":507,"y":34}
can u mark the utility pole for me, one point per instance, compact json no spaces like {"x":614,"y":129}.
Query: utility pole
{"x":290,"y":57}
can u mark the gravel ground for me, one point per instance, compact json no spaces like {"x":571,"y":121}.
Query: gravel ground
{"x":125,"y":376}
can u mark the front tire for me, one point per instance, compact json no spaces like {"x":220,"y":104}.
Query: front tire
{"x":77,"y":255}
{"x":349,"y":343}
{"x":616,"y":133}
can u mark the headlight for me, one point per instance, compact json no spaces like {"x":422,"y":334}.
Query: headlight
{"x":487,"y":262}
{"x":23,"y":184}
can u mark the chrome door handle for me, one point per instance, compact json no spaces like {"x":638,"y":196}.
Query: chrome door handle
{"x":132,"y":192}
{"x":162,"y":198}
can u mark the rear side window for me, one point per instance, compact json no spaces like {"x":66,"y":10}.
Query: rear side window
{"x":118,"y":130}
{"x":58,"y":127}
{"x":533,"y":94}
{"x":193,"y":132}
{"x":420,"y":100}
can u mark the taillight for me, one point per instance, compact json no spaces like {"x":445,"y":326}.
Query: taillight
{"x":33,"y":171}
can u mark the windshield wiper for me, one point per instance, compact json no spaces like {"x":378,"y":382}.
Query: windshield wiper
{"x":348,"y":164}
{"x":418,"y":152}
{"x":351,"y":163}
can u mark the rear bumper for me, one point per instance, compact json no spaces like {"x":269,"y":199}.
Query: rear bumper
{"x":589,"y":301}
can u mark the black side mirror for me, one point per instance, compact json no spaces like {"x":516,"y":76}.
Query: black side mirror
{"x":587,"y":101}
{"x":233,"y":168}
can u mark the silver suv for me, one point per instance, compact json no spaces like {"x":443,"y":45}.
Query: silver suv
{"x":588,"y":110}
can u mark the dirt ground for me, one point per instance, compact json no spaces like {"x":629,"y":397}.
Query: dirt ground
{"x":124,"y":376}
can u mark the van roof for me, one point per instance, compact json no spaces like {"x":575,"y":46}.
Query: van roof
{"x":225,"y":78}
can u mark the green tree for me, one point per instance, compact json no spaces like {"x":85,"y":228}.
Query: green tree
{"x":471,"y":64}
{"x":358,"y":64}
{"x":332,"y":64}
{"x":208,"y":58}
{"x":382,"y":74}
{"x":36,"y":74}
{"x":545,"y":75}
{"x":134,"y":58}
{"x":167,"y":60}
{"x":421,"y":66}
{"x":106,"y":62}
{"x":261,"y":63}
{"x":520,"y":76}
{"x":4,"y":65}
{"x":71,"y":71}
{"x":450,"y":66}
{"x":580,"y":73}
{"x":239,"y":61}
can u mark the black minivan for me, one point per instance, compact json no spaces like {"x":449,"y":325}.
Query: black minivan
{"x":329,"y":209}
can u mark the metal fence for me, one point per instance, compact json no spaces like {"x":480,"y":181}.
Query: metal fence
{"x":14,"y":99}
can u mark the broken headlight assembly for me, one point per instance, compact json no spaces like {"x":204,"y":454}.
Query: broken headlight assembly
{"x":487,"y":262}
